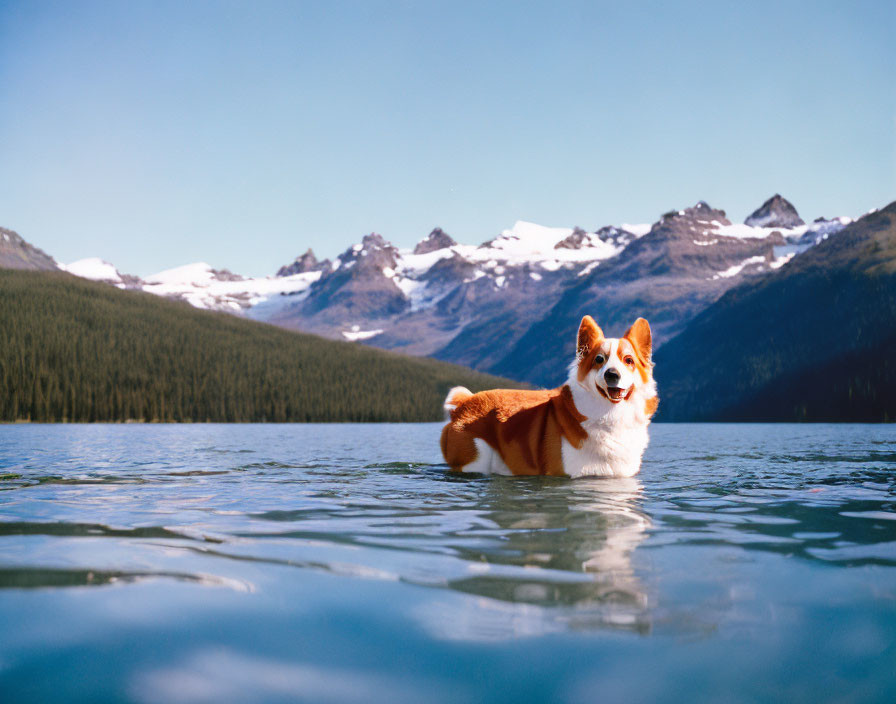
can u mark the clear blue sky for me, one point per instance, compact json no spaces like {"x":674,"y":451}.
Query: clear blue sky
{"x":154,"y":134}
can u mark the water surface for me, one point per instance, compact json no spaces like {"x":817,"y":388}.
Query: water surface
{"x":341,"y":563}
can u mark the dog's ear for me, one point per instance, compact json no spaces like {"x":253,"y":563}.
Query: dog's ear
{"x":589,"y":336}
{"x":639,"y":335}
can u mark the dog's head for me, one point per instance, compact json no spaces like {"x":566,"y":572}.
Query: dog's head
{"x":615,"y":369}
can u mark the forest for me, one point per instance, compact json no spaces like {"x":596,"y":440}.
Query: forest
{"x":73,"y":350}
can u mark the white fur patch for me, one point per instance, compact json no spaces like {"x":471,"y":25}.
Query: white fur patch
{"x":487,"y":461}
{"x":617,"y":432}
{"x":447,"y":405}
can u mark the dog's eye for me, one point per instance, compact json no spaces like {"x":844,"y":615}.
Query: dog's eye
{"x":629,"y":361}
{"x":599,"y":360}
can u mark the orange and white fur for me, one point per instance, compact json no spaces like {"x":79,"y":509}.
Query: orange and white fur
{"x":595,"y":425}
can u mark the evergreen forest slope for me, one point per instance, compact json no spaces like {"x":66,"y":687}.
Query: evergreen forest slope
{"x":76,"y":350}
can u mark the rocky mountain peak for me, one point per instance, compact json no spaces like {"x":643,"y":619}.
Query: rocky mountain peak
{"x":375,"y":241}
{"x":775,"y":212}
{"x":302,"y":264}
{"x":361,"y":284}
{"x":434,"y":241}
{"x":225,"y":275}
{"x":704,"y":212}
{"x":701,"y":213}
{"x":699,"y":220}
{"x":16,"y":253}
{"x":577,"y":240}
{"x":373,"y":253}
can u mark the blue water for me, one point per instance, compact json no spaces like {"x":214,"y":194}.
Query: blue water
{"x":341,"y":563}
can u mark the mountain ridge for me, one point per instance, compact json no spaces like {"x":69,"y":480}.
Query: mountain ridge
{"x":768,"y":348}
{"x":505,"y":305}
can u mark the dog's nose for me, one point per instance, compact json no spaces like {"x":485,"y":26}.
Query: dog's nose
{"x":612,"y":377}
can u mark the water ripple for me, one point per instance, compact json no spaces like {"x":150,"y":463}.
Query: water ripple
{"x":732,"y":530}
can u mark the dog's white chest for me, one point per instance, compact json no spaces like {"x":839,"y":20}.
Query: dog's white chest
{"x":609,"y":451}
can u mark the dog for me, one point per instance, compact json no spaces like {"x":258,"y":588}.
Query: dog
{"x":595,"y":425}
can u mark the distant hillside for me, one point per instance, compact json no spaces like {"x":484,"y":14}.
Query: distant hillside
{"x":75,"y":350}
{"x":815,"y":341}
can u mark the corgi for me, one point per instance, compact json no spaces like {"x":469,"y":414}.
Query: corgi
{"x":595,"y":425}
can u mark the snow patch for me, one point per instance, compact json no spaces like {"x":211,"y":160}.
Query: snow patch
{"x":527,"y":242}
{"x":198,"y":285}
{"x":356,"y":333}
{"x":778,"y":262}
{"x":415,"y":264}
{"x":588,"y":269}
{"x":93,"y":268}
{"x":737,"y":268}
{"x":189,"y":273}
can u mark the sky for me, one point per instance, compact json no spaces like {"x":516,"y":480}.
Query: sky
{"x":154,"y":134}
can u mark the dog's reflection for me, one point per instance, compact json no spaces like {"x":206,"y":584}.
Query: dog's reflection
{"x":562,"y":560}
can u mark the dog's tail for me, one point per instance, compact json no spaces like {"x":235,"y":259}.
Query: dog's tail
{"x":455,"y":397}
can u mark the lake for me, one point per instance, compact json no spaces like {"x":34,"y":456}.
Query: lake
{"x":341,"y":563}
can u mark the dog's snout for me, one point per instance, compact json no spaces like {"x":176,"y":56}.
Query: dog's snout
{"x":612,"y":377}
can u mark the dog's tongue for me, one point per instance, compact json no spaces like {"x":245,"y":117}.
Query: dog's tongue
{"x":614,"y":392}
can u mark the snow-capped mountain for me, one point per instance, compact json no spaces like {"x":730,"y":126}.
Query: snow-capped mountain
{"x":219,"y":289}
{"x":507,"y":305}
{"x":766,"y":352}
{"x":687,"y":260}
{"x":494,"y":306}
{"x":199,"y":284}
{"x":417,"y":300}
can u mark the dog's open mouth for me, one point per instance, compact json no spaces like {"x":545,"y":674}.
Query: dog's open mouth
{"x":616,"y":393}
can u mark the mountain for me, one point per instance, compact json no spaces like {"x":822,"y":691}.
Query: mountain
{"x":812,"y":341}
{"x":79,"y":350}
{"x":683,"y":264}
{"x":303,"y":264}
{"x":775,"y":212}
{"x":417,"y":301}
{"x":434,"y":241}
{"x":511,"y":304}
{"x":16,"y":253}
{"x":507,"y":306}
